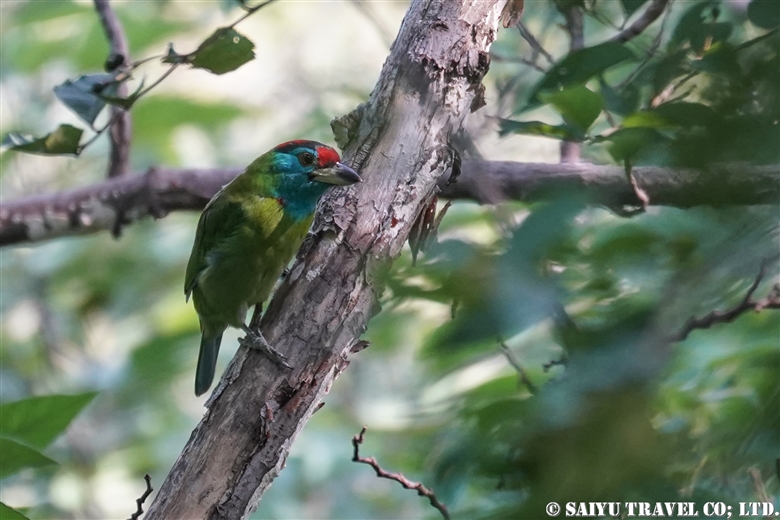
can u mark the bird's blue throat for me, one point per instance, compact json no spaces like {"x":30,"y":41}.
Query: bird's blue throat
{"x":298,"y":197}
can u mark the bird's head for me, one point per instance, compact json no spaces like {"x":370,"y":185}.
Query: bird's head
{"x":297,"y":174}
{"x":302,"y":163}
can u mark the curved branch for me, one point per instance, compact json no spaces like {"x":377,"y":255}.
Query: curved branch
{"x":651,"y":14}
{"x":748,"y":303}
{"x":112,"y":204}
{"x":422,"y":491}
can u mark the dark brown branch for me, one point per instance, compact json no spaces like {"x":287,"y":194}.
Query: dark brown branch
{"x":140,"y":500}
{"x":115,"y":203}
{"x":651,"y":14}
{"x":771,"y":301}
{"x":422,"y":491}
{"x":118,"y":59}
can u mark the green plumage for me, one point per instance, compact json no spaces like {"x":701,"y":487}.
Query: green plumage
{"x":247,"y":235}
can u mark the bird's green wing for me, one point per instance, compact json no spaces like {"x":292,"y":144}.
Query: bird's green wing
{"x":219,"y":221}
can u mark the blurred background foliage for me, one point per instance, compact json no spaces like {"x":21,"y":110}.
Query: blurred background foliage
{"x":525,"y":358}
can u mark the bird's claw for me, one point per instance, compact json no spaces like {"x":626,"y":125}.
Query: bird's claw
{"x":256,"y":341}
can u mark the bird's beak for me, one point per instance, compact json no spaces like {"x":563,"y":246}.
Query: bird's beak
{"x":339,"y":175}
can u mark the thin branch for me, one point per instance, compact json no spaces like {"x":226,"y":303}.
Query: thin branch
{"x":367,"y":11}
{"x":115,"y":117}
{"x":651,"y":51}
{"x":250,"y":11}
{"x":522,"y":374}
{"x":570,"y":150}
{"x":650,"y":15}
{"x":422,"y":491}
{"x":140,"y":501}
{"x":114,"y":203}
{"x":534,"y":43}
{"x":771,"y":301}
{"x":514,"y":59}
{"x":158,"y":80}
{"x":120,"y":121}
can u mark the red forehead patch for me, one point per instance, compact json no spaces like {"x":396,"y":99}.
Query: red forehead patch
{"x":326,"y":156}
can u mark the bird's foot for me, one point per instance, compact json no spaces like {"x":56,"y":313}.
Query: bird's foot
{"x":256,"y":341}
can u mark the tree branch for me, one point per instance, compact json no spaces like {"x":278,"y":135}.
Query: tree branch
{"x":400,"y":146}
{"x":119,"y":58}
{"x":771,"y":301}
{"x":423,"y":491}
{"x":139,"y":502}
{"x":651,"y":14}
{"x":114,"y":203}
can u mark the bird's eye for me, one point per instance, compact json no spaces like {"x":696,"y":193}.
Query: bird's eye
{"x":306,"y":159}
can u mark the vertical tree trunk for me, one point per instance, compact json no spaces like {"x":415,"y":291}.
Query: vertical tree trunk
{"x":399,"y":141}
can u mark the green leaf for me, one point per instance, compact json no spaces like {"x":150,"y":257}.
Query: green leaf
{"x":578,"y":105}
{"x":687,"y":114}
{"x":15,"y":457}
{"x":764,"y":13}
{"x":563,"y":132}
{"x":631,"y":6}
{"x":580,"y":66}
{"x":646,"y":119}
{"x":721,"y":58}
{"x":81,"y":95}
{"x":620,"y":102}
{"x":63,"y":141}
{"x":672,"y":115}
{"x":699,"y":28}
{"x":627,"y":144}
{"x":223,"y":51}
{"x":8,"y":513}
{"x":37,"y":421}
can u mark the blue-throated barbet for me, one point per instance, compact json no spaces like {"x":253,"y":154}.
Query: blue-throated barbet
{"x":247,"y":235}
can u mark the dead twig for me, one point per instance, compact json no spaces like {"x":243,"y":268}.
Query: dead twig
{"x":140,"y":501}
{"x":422,"y":491}
{"x":771,"y":301}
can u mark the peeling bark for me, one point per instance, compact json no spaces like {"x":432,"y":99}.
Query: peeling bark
{"x":425,"y":91}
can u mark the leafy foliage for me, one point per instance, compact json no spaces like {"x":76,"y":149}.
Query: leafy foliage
{"x":37,"y":421}
{"x":525,"y":358}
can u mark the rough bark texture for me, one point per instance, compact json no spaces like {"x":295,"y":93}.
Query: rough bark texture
{"x":118,"y":202}
{"x":400,"y":146}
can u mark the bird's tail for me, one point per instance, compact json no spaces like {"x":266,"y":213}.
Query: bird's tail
{"x":207,"y":361}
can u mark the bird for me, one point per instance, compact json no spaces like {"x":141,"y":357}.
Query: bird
{"x":247,"y":234}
